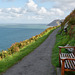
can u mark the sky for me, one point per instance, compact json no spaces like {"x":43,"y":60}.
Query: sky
{"x":34,"y":11}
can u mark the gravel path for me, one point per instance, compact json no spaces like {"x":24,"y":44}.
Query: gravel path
{"x":38,"y":62}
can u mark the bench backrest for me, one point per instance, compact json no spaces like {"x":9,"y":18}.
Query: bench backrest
{"x":70,"y":49}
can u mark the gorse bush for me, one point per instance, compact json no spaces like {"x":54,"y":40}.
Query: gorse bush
{"x":3,"y":54}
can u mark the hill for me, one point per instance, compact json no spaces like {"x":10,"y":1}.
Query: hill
{"x":70,"y":17}
{"x":55,"y":22}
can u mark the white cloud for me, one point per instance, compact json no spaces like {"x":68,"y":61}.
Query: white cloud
{"x":31,"y":11}
{"x":63,"y":4}
{"x":16,"y":10}
{"x":12,"y":12}
{"x":31,"y":6}
{"x":59,"y":0}
{"x":35,"y":17}
{"x":57,"y":11}
{"x":42,"y":11}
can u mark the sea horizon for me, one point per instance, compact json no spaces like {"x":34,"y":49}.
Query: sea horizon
{"x":10,"y":34}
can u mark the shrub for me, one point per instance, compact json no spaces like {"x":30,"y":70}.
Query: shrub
{"x":4,"y":53}
{"x":0,"y":58}
{"x":16,"y":49}
{"x":13,"y":49}
{"x":9,"y":51}
{"x":33,"y":38}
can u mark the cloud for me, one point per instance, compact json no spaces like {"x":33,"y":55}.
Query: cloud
{"x":57,"y":11}
{"x":12,"y":12}
{"x":62,"y":4}
{"x":35,"y":17}
{"x":31,"y":6}
{"x":58,"y":0}
{"x":42,"y":11}
{"x":34,"y":8}
{"x":66,"y":5}
{"x":32,"y":11}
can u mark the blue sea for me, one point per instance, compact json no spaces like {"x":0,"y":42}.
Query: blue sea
{"x":11,"y":33}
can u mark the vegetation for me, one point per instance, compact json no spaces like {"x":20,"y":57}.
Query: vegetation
{"x":72,"y":21}
{"x":71,"y":15}
{"x":63,"y":39}
{"x":18,"y":50}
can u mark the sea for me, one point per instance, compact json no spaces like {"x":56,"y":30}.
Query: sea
{"x":11,"y":33}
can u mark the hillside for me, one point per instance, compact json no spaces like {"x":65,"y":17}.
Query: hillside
{"x":70,"y":19}
{"x":63,"y":38}
{"x":55,"y":22}
{"x":70,"y":22}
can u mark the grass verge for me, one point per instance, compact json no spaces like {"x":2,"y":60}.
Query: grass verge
{"x":61,"y":40}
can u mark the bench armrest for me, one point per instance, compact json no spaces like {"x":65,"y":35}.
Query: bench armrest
{"x":63,"y":59}
{"x":66,"y":46}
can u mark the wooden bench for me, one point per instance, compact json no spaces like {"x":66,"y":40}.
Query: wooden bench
{"x":67,"y":60}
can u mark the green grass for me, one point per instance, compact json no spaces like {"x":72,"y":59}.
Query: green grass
{"x":13,"y":59}
{"x":61,"y":40}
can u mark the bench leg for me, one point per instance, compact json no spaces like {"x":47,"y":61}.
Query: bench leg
{"x":62,"y":72}
{"x":62,"y":68}
{"x":59,"y":57}
{"x":59,"y":61}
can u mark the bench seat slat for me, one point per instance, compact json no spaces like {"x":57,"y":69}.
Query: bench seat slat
{"x":72,"y":55}
{"x":69,"y":64}
{"x":66,"y":55}
{"x":73,"y":65}
{"x":66,"y":64}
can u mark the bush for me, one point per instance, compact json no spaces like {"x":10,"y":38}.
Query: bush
{"x":4,"y":54}
{"x":16,"y":49}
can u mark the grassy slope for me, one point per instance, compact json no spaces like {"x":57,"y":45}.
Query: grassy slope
{"x":13,"y":59}
{"x":61,"y":40}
